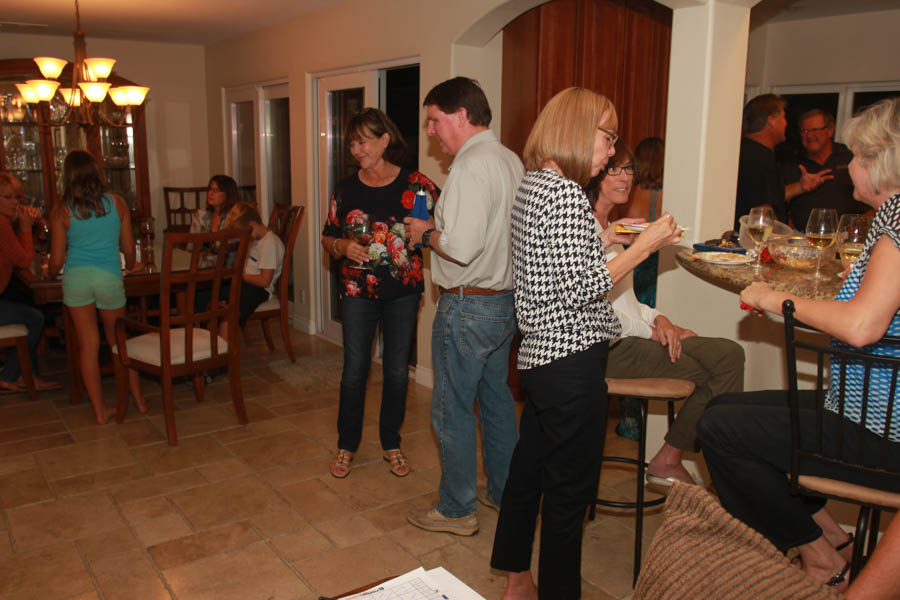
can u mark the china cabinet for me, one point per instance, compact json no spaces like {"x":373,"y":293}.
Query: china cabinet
{"x":34,"y":153}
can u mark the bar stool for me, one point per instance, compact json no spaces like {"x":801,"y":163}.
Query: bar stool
{"x":644,"y":389}
{"x":16,"y":336}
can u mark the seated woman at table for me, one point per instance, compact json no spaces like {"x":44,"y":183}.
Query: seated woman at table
{"x":17,"y":251}
{"x":746,"y":437}
{"x":87,"y":229}
{"x":221,"y":195}
{"x":652,"y":346}
{"x":262,"y":268}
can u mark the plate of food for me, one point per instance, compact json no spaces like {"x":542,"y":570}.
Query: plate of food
{"x":723,"y":258}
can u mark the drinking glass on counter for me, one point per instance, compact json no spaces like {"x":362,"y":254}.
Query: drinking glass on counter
{"x":852,"y":232}
{"x":821,"y":231}
{"x":759,"y":227}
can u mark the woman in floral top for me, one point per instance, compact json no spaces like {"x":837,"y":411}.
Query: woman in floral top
{"x":381,"y":279}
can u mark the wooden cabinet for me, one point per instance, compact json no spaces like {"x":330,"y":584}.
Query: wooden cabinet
{"x":619,"y":48}
{"x":34,"y":154}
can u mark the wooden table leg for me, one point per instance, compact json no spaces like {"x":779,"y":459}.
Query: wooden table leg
{"x":72,"y":358}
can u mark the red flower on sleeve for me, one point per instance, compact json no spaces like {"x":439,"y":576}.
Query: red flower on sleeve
{"x":408,"y":199}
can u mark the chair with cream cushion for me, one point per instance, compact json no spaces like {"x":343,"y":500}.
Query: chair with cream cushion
{"x":285,"y":221}
{"x":183,"y":344}
{"x":16,"y":336}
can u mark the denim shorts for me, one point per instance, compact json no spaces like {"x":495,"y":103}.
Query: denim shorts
{"x":89,"y":285}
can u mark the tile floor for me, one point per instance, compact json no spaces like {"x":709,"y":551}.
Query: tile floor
{"x":237,"y":512}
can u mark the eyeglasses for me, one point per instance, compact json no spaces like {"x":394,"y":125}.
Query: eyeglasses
{"x":611,"y":136}
{"x":618,"y":170}
{"x":813,"y":130}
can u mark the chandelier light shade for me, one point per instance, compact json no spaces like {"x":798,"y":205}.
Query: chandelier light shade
{"x":88,"y":89}
{"x":50,"y":67}
{"x":44,"y":89}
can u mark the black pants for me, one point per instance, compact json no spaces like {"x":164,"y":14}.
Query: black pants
{"x":746,"y":440}
{"x":251,"y":297}
{"x":561,"y":437}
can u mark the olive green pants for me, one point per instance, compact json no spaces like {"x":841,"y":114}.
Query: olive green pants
{"x":715,"y":365}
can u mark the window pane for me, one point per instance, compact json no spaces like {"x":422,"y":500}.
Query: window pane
{"x":278,"y":140}
{"x":864,"y":99}
{"x":245,"y":128}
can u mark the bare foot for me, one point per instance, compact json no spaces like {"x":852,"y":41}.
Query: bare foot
{"x":107,"y":416}
{"x":520,"y":586}
{"x":141,"y":405}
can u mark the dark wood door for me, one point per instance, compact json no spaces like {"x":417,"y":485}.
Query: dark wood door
{"x":619,"y":48}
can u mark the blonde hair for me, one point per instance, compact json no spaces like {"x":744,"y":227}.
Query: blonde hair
{"x":241,"y":215}
{"x":565,"y":131}
{"x":874,"y":137}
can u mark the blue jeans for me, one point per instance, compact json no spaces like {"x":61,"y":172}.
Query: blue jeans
{"x":470,"y":340}
{"x":398,"y":325}
{"x":14,"y":310}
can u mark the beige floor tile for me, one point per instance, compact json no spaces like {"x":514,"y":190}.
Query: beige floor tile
{"x":52,"y":572}
{"x":283,"y":475}
{"x":140,"y":432}
{"x":162,"y":529}
{"x":190,"y":452}
{"x":23,"y":487}
{"x":194,"y":547}
{"x":251,"y":573}
{"x":225,"y":469}
{"x":68,"y":518}
{"x":372,"y":485}
{"x":393,"y":516}
{"x":108,"y":543}
{"x":32,"y":431}
{"x":35,"y":444}
{"x":419,"y":542}
{"x":14,"y":464}
{"x":129,"y":575}
{"x":610,"y":546}
{"x":278,"y":522}
{"x":348,"y":531}
{"x":147,"y":509}
{"x":302,"y":544}
{"x":227,"y":501}
{"x":157,"y":486}
{"x":372,"y":560}
{"x":26,"y":415}
{"x":281,"y":448}
{"x":98,"y":480}
{"x":315,"y":501}
{"x":85,"y":457}
{"x":203,"y":419}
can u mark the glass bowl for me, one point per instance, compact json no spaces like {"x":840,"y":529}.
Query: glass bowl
{"x":793,"y":252}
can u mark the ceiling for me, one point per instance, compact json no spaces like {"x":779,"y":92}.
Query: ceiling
{"x":210,"y":21}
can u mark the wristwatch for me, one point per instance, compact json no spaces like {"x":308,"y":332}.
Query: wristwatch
{"x":426,"y":237}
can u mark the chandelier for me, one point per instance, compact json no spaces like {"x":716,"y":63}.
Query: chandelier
{"x":83,"y":99}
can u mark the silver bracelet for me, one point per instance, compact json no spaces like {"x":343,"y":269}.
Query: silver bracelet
{"x":334,"y":246}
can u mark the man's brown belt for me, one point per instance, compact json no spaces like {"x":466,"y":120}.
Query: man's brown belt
{"x":472,"y":291}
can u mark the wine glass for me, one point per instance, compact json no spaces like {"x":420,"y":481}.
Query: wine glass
{"x":759,"y":227}
{"x":360,"y":231}
{"x":852,"y":231}
{"x":821,"y":231}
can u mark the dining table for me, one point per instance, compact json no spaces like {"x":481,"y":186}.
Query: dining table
{"x":736,"y":277}
{"x":139,"y":284}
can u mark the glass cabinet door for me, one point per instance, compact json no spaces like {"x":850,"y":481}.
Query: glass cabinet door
{"x":22,"y":147}
{"x":117,"y":148}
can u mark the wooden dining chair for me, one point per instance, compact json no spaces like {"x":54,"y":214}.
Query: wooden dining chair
{"x":16,"y":336}
{"x":181,"y":203}
{"x":286,"y":221}
{"x":188,"y":343}
{"x":873,"y":465}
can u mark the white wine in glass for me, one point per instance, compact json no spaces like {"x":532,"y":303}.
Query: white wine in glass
{"x":821,"y":232}
{"x":852,"y":232}
{"x":759,"y":227}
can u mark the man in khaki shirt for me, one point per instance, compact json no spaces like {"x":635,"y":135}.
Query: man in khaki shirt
{"x":475,"y":321}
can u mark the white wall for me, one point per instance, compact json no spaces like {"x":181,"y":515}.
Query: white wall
{"x":850,"y":48}
{"x":177,"y":131}
{"x":360,"y":32}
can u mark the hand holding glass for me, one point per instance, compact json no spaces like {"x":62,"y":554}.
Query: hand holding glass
{"x":759,"y":227}
{"x":852,"y":232}
{"x":821,"y":230}
{"x":361,"y":233}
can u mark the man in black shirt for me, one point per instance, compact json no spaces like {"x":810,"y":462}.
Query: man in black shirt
{"x":821,"y":153}
{"x":760,"y":181}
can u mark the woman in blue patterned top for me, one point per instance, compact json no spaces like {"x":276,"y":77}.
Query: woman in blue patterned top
{"x":746,"y":437}
{"x":561,"y":281}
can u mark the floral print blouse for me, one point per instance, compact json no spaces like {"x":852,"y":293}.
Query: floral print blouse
{"x":373,"y":217}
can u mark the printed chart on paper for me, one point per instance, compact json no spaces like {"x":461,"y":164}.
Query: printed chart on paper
{"x":414,"y":589}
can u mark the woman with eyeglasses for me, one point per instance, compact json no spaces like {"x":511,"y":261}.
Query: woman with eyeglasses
{"x":650,"y":345}
{"x":562,"y":279}
{"x":17,"y":251}
{"x":221,"y":195}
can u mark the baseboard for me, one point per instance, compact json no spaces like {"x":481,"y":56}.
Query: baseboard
{"x":424,"y":376}
{"x":302,"y":324}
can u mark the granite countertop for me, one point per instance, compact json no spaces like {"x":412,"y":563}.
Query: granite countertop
{"x":735,"y":278}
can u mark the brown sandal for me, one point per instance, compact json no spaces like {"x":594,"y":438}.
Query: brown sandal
{"x":340,"y":466}
{"x":399,"y":466}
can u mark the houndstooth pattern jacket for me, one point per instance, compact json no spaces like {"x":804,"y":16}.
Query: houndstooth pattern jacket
{"x":559,"y":271}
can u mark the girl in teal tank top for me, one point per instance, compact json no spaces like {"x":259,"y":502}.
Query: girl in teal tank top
{"x":87,"y":229}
